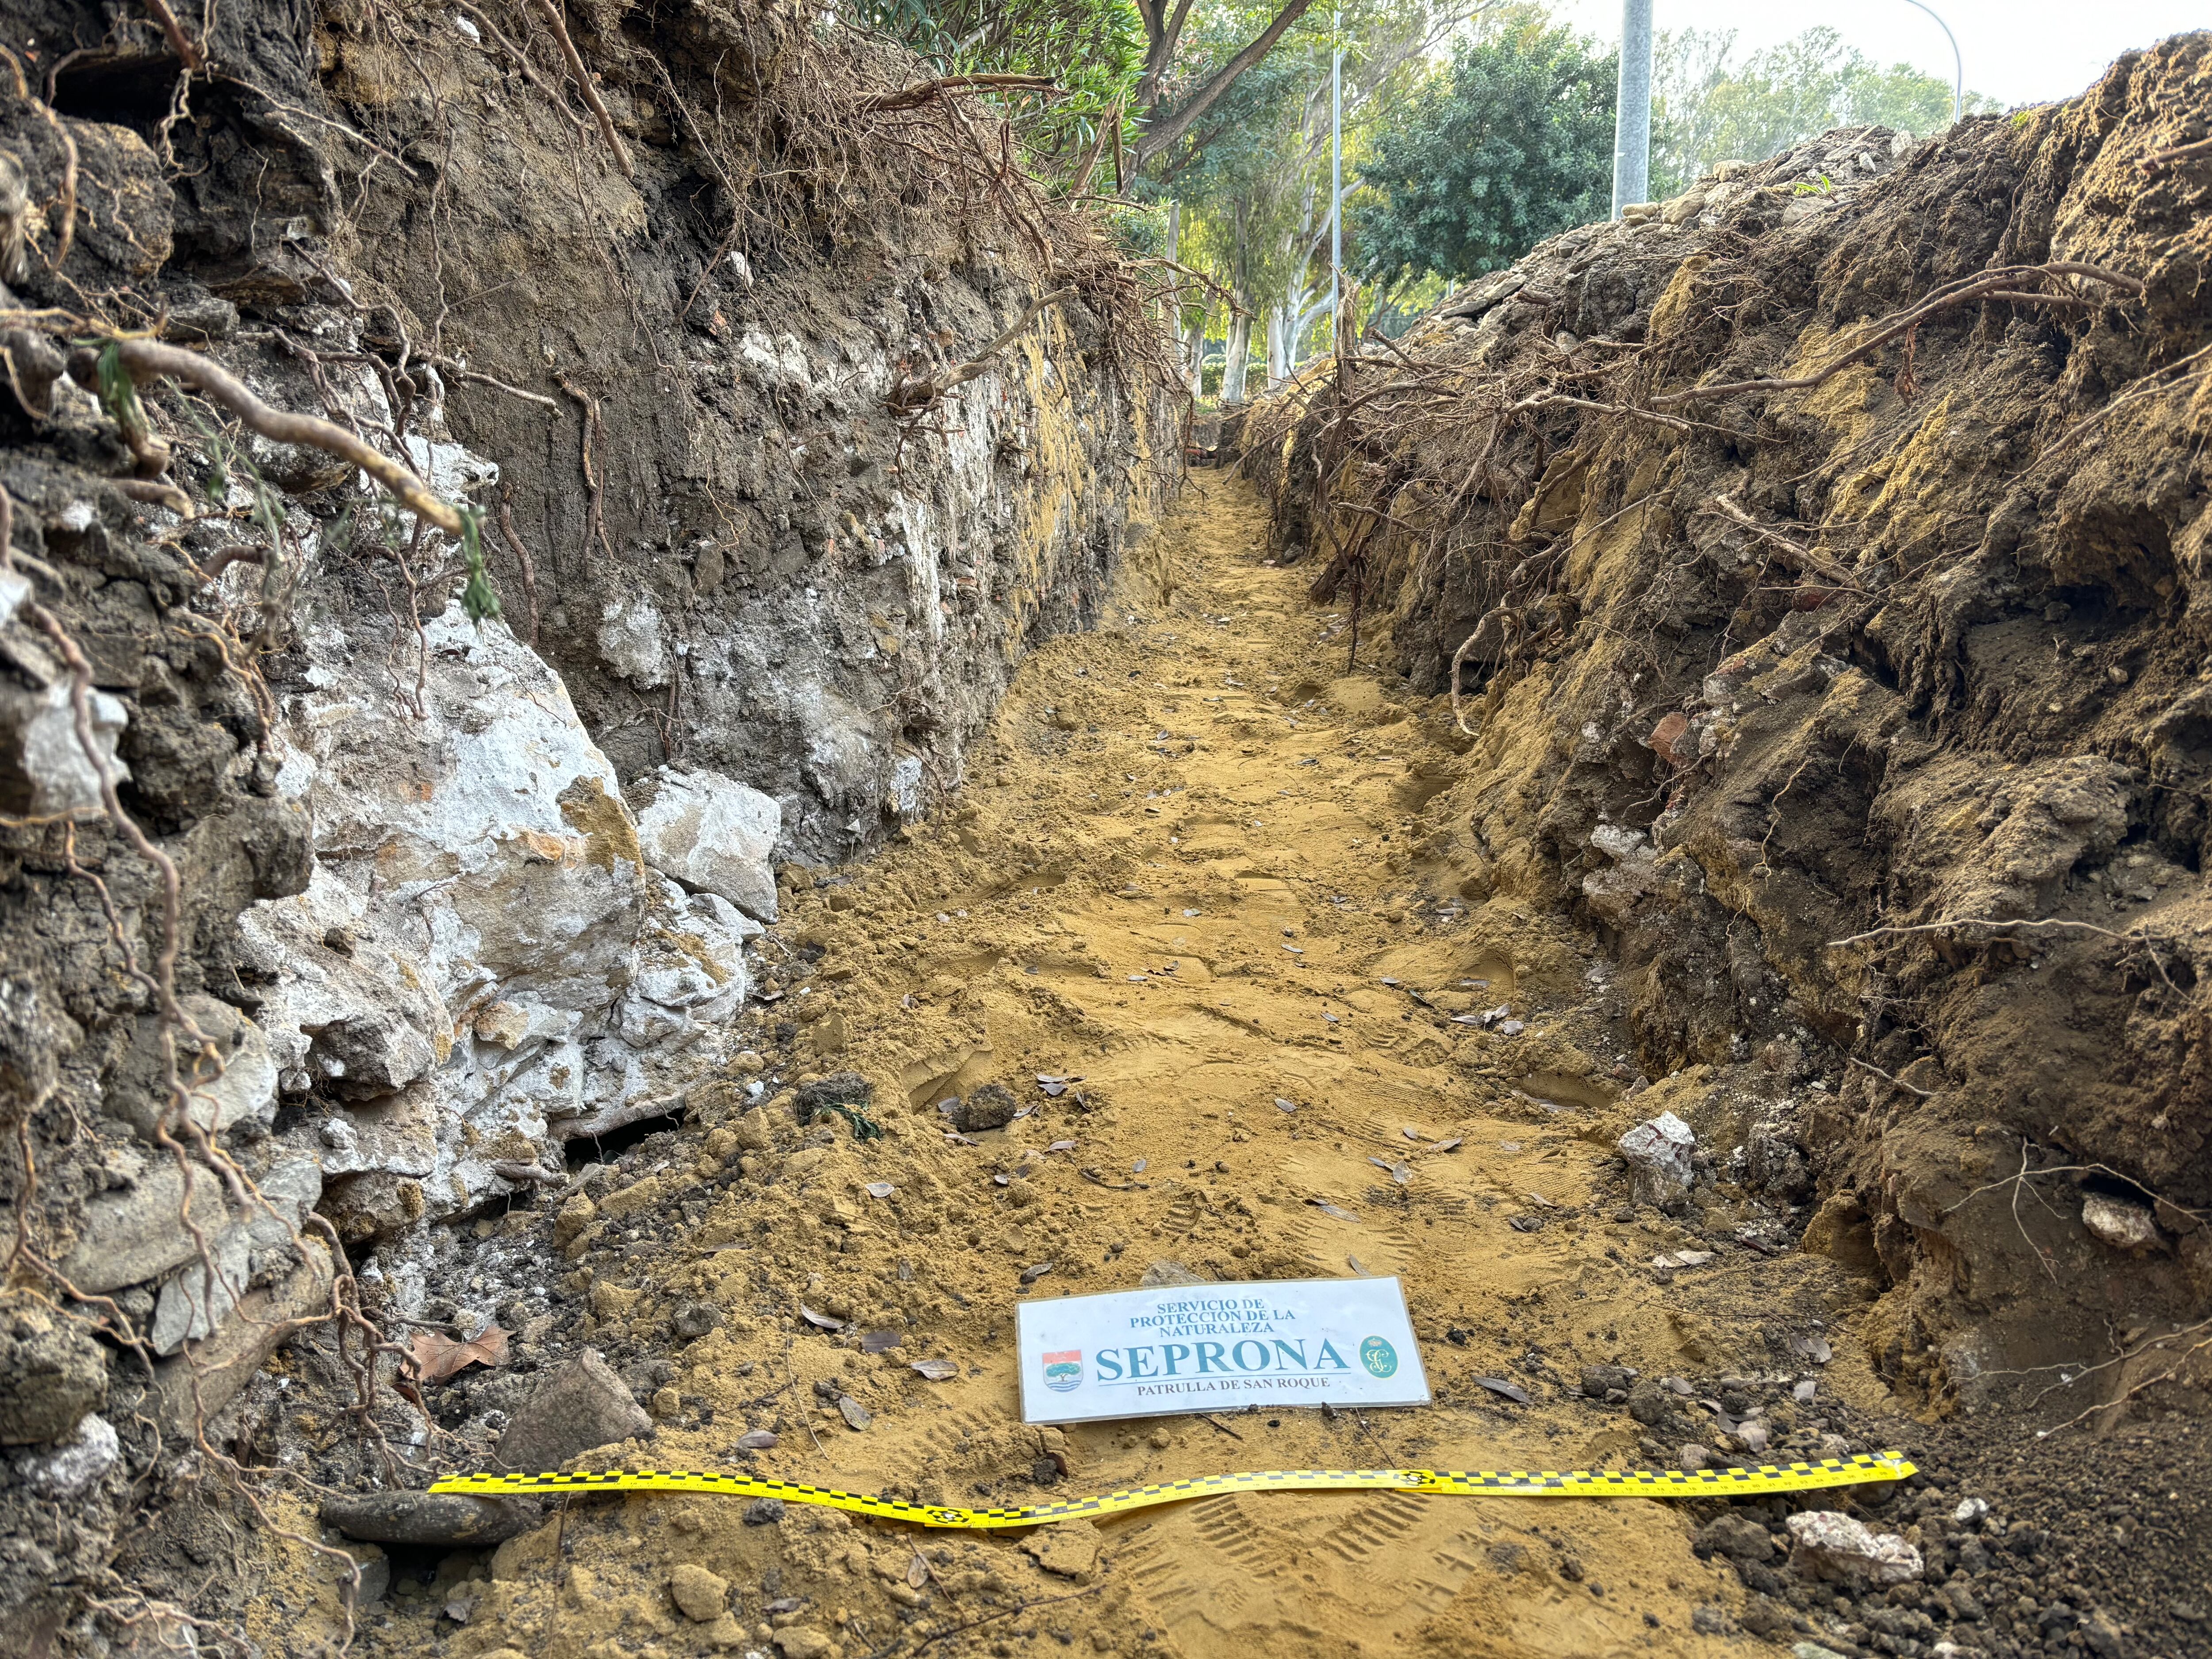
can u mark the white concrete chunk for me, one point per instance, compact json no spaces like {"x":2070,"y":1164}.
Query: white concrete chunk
{"x":714,"y":835}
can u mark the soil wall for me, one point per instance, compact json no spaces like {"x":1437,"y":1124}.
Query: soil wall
{"x":1815,"y":561}
{"x":328,"y":913}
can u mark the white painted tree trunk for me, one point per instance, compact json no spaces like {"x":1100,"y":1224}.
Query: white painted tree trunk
{"x":1240,"y":350}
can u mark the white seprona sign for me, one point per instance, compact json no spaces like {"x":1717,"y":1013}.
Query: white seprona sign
{"x":1218,"y":1347}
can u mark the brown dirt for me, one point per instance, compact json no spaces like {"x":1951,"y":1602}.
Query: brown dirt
{"x":1197,"y":788}
{"x":1861,"y":720}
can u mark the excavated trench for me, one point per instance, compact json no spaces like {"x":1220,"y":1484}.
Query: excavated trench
{"x":1212,"y":1005}
{"x":1207,"y":1005}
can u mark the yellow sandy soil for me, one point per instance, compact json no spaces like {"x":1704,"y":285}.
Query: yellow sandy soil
{"x":1196,"y":853}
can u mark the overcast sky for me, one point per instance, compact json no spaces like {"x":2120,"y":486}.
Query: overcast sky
{"x":2022,"y":51}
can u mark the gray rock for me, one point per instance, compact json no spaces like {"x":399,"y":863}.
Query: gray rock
{"x":1165,"y":1274}
{"x":375,"y":1578}
{"x":52,"y":1373}
{"x":1835,"y":1548}
{"x":1738,"y":1537}
{"x":136,"y":1234}
{"x":2121,"y":1224}
{"x":2104,"y":1637}
{"x":198,"y":1297}
{"x":395,"y":1134}
{"x":694,"y":1318}
{"x":439,"y":1520}
{"x":714,"y":835}
{"x":580,"y":1406}
{"x":632,"y":640}
{"x":246,"y":1086}
{"x":43,"y":770}
{"x":68,"y":1470}
{"x":1647,"y":1402}
{"x":293,"y":1186}
{"x":254,"y":1251}
{"x":1658,"y":1152}
{"x":196,"y":1386}
{"x":989,"y":1107}
{"x":1600,"y":1381}
{"x":764,"y":1512}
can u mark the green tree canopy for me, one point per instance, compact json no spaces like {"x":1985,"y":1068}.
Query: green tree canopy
{"x":1511,"y":143}
{"x":1094,"y":49}
{"x":1707,"y":110}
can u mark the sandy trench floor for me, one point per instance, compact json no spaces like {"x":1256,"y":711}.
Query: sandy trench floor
{"x":1186,"y":870}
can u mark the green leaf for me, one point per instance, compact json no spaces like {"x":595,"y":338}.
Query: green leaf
{"x":479,"y":599}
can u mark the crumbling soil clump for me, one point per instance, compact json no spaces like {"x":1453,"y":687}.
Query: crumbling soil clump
{"x":1812,"y":564}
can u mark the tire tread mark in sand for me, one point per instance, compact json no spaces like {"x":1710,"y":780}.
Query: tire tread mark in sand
{"x":1375,"y":1525}
{"x":1382,"y":1246}
{"x":1374,"y":1542}
{"x":1183,"y":1216}
{"x":1236,"y":1537}
{"x":946,"y":1445}
{"x":1217,"y":1572}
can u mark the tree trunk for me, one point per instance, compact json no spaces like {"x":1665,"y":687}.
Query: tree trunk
{"x":1240,"y":350}
{"x":1194,"y":352}
{"x":1162,"y":131}
{"x":1234,"y":361}
{"x":1279,"y":353}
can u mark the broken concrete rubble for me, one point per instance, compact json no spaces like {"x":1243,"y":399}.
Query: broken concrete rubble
{"x":1658,"y":1153}
{"x":582,"y":1406}
{"x":1826,"y":1545}
{"x":715,"y":835}
{"x":477,"y":960}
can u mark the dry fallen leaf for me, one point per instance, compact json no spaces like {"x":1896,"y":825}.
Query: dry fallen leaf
{"x":879,"y":1341}
{"x":937,"y":1370}
{"x":437,"y":1356}
{"x":820,"y":1319}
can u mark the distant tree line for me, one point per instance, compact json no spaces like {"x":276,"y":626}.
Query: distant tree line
{"x":1472,"y":130}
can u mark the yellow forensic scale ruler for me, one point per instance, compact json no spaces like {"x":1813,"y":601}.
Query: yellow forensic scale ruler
{"x":1465,"y":1483}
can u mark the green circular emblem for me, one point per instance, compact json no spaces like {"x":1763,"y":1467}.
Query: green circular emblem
{"x":1378,"y":1356}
